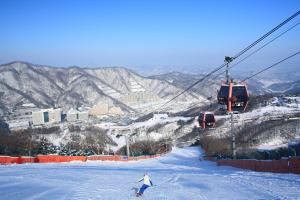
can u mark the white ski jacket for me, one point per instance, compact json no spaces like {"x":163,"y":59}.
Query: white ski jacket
{"x":147,"y":180}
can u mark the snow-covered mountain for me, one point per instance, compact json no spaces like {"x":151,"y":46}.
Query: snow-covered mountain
{"x":262,"y":84}
{"x":160,"y":70}
{"x":209,"y":86}
{"x":46,"y":86}
{"x":206,"y":88}
{"x":291,"y":87}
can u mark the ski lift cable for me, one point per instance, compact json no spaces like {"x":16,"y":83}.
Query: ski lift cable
{"x":233,"y":58}
{"x":267,"y":34}
{"x":267,"y":68}
{"x":257,"y":50}
{"x":191,"y":86}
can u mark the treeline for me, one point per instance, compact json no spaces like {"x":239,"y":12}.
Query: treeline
{"x":84,"y":141}
{"x":222,"y":148}
{"x":24,"y":142}
{"x":251,"y":135}
{"x":147,"y":147}
{"x":256,"y":101}
{"x":30,"y":142}
{"x":216,"y":147}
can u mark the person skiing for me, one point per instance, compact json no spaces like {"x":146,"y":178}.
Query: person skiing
{"x":147,"y":183}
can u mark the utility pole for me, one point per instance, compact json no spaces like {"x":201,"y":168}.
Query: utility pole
{"x":30,"y":145}
{"x":228,"y":60}
{"x":30,"y":141}
{"x":127,"y":145}
{"x":298,"y":126}
{"x":227,"y":73}
{"x":232,"y":136}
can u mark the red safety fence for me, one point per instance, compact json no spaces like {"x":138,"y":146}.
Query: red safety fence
{"x":25,"y":159}
{"x":295,"y":165}
{"x":58,"y":159}
{"x":8,"y":160}
{"x":105,"y":158}
{"x":291,"y":165}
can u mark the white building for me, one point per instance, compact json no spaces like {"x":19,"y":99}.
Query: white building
{"x":75,"y":115}
{"x":46,"y":116}
{"x":139,"y":98}
{"x":99,"y":109}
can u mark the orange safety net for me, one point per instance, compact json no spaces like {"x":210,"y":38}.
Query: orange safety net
{"x":291,"y":165}
{"x":59,"y":159}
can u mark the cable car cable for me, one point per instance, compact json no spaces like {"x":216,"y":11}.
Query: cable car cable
{"x":235,"y":57}
{"x":267,"y":34}
{"x":191,"y":86}
{"x":277,"y":63}
{"x":257,"y":50}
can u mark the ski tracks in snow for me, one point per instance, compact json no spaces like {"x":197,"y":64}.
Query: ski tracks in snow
{"x":263,"y":186}
{"x":176,"y":176}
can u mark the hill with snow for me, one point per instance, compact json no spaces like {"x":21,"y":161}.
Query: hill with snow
{"x":271,"y":82}
{"x":46,"y":86}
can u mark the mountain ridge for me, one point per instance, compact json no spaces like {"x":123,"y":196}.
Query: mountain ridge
{"x":49,"y":86}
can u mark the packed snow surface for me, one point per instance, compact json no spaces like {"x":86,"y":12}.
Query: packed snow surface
{"x":178,"y":175}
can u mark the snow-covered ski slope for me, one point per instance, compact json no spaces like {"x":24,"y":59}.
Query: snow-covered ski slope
{"x":178,"y":175}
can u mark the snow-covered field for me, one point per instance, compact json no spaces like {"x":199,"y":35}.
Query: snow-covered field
{"x":178,"y":175}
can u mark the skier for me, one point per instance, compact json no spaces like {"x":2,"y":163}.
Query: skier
{"x":147,"y":183}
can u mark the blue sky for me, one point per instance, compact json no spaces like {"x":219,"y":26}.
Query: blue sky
{"x":142,"y":34}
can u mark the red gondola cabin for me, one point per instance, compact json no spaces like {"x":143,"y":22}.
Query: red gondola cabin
{"x":234,"y":96}
{"x":207,"y":120}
